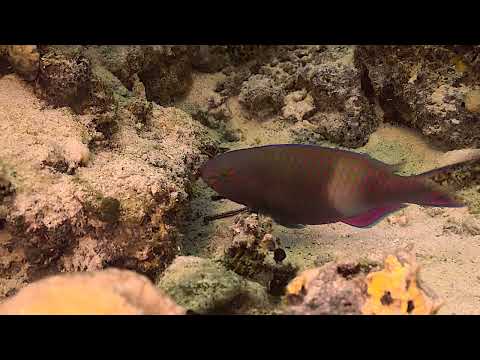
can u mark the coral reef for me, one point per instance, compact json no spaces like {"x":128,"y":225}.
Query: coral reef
{"x":431,"y":88}
{"x":101,"y":147}
{"x":320,"y":85}
{"x":80,"y":207}
{"x":107,"y":292}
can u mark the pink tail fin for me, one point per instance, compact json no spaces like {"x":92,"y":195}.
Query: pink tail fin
{"x":433,"y":195}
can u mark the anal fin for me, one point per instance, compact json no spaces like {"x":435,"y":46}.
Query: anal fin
{"x":372,"y":216}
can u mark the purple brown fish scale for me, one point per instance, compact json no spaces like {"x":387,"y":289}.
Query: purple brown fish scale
{"x":290,"y":187}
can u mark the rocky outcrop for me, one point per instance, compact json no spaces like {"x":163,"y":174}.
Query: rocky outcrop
{"x":317,"y":84}
{"x":345,"y":115}
{"x":80,"y":207}
{"x":22,"y":59}
{"x":261,"y":96}
{"x":430,"y":88}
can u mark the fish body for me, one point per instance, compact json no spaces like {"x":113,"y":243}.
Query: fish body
{"x":309,"y":184}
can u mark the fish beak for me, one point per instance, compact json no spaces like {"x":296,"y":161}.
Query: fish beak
{"x":208,"y":176}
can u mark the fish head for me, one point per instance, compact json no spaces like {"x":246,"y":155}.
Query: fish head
{"x":218,"y":173}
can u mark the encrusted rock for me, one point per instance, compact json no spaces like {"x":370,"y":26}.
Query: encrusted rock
{"x":247,"y":254}
{"x":203,"y":286}
{"x":333,"y":289}
{"x":65,"y":79}
{"x":261,"y":96}
{"x":426,"y":87}
{"x":461,"y":176}
{"x":78,"y":209}
{"x":471,"y":225}
{"x":231,"y":86}
{"x":166,"y":73}
{"x":298,"y":106}
{"x":358,"y":288}
{"x":345,"y":114}
{"x":25,"y":60}
{"x":6,"y":186}
{"x":472,"y":101}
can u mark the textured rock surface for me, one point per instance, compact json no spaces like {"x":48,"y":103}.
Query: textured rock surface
{"x":335,"y":289}
{"x":250,"y":252}
{"x":24,"y":59}
{"x":298,"y":106}
{"x":165,"y":70}
{"x":210,"y":58}
{"x":345,"y":115}
{"x":321,"y":85}
{"x":204,"y":286}
{"x":431,"y":88}
{"x":78,"y":206}
{"x":465,"y":176}
{"x":108,"y":292}
{"x":261,"y":96}
{"x":65,"y":80}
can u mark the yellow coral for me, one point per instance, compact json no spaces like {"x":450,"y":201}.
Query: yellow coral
{"x":394,"y":291}
{"x":297,"y":285}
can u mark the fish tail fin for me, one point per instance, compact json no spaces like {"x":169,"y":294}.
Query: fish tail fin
{"x":430,"y":194}
{"x":427,"y":193}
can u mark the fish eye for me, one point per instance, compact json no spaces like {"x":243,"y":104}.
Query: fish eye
{"x":227,"y":172}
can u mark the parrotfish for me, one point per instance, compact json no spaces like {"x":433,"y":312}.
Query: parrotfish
{"x":310,"y":185}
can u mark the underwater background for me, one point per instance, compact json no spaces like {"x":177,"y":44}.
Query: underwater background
{"x":102,"y":209}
